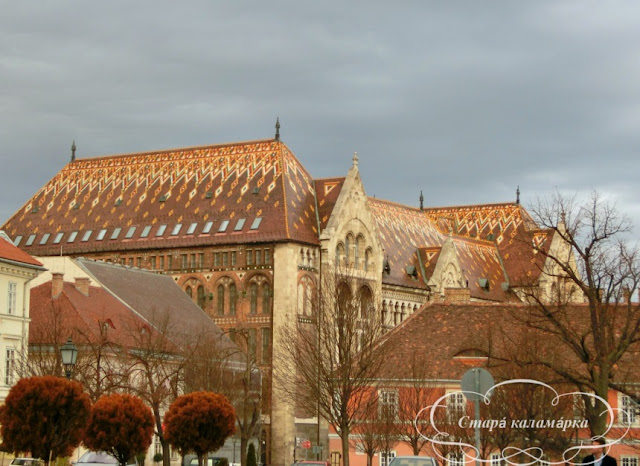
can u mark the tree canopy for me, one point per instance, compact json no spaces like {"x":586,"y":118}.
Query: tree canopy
{"x":199,"y":422}
{"x":121,"y":425}
{"x":46,"y":416}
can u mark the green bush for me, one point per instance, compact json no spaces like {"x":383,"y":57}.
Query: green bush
{"x":251,"y":455}
{"x":157,"y":458}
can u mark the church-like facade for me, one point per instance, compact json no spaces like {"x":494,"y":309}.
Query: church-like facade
{"x":244,"y":229}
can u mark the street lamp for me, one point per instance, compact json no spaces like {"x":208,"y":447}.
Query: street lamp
{"x":69,"y":353}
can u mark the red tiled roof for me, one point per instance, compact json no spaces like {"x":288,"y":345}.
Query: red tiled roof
{"x":259,"y":179}
{"x":327,"y":192}
{"x":10,"y":252}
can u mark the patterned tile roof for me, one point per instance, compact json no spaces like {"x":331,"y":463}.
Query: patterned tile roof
{"x":402,"y":231}
{"x":327,"y":192}
{"x":243,"y":192}
{"x":11,"y":253}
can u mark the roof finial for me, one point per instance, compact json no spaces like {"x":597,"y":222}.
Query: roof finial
{"x":73,"y":150}
{"x":355,"y":159}
{"x":421,"y":201}
{"x":563,"y":216}
{"x":518,"y":195}
{"x":277,"y":128}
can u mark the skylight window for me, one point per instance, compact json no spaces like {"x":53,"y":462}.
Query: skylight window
{"x":161,"y":230}
{"x":207,"y":227}
{"x":72,"y":237}
{"x":130,"y":233}
{"x":176,"y":229}
{"x":256,"y":223}
{"x":30,"y":240}
{"x":223,"y":226}
{"x":17,"y":240}
{"x":58,"y":238}
{"x":116,"y":233}
{"x":240,"y":224}
{"x":145,"y":231}
{"x":87,"y":235}
{"x":192,"y":228}
{"x":45,"y":238}
{"x":101,"y":234}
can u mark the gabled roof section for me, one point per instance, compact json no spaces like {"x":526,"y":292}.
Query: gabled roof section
{"x":429,"y":257}
{"x":9,"y":252}
{"x":259,"y":181}
{"x":327,"y":192}
{"x":402,"y":231}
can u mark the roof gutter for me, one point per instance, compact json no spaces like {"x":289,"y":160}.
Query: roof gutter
{"x":23,"y":264}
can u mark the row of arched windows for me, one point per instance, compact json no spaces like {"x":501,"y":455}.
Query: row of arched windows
{"x":226,"y":298}
{"x":354,"y":253}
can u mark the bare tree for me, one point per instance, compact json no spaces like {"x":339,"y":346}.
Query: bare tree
{"x":593,"y":343}
{"x":335,"y":357}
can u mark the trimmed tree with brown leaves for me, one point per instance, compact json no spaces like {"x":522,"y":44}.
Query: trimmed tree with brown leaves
{"x":46,"y":416}
{"x":121,"y":425}
{"x":199,"y":422}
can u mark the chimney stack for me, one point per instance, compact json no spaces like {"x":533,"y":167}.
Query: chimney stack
{"x":82,"y":285}
{"x":457,"y":295}
{"x":57,"y":284}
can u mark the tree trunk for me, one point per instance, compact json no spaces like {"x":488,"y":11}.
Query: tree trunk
{"x":244,"y":442}
{"x":344,"y":437}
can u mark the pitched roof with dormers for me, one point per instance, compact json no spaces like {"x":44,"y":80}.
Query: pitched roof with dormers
{"x":8,"y":252}
{"x":243,"y":192}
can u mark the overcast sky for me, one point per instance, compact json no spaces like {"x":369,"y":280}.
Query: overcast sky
{"x":464,"y":100}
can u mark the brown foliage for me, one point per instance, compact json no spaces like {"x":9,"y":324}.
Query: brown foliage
{"x":44,"y":415}
{"x":199,"y":422}
{"x":121,"y":425}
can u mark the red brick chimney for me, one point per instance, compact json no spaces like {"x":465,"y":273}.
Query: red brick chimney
{"x":82,"y":285}
{"x":457,"y":295}
{"x":57,"y":284}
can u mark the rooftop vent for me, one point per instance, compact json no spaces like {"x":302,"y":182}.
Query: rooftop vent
{"x":256,"y":190}
{"x":505,"y":286}
{"x":484,"y":283}
{"x":411,"y":271}
{"x":209,"y":195}
{"x":118,"y":202}
{"x":163,"y":198}
{"x":35,"y":210}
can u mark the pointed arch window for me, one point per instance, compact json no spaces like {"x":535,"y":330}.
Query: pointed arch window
{"x":189,"y":292}
{"x":233,"y":295}
{"x":253,"y":297}
{"x":266,"y":298}
{"x":220,"y":300}
{"x":347,"y":251}
{"x":201,"y":299}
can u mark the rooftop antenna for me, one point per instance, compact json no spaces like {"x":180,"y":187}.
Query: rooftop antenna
{"x":277,"y":128}
{"x":421,"y":201}
{"x":518,"y":195}
{"x":73,"y":150}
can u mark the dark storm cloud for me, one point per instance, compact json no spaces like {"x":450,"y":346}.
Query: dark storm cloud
{"x":464,"y":100}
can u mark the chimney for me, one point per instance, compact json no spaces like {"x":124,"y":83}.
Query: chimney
{"x":457,"y":295}
{"x":82,"y":285}
{"x":56,"y":284}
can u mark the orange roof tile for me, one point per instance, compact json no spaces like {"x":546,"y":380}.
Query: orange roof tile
{"x":10,"y":252}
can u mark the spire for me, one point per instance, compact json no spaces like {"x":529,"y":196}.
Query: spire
{"x":277,"y":128}
{"x":73,"y":150}
{"x":421,"y":201}
{"x":518,"y":195}
{"x":355,"y":159}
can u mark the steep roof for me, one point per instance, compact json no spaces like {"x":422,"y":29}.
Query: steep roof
{"x":327,"y":192}
{"x":243,"y":192}
{"x":9,"y":252}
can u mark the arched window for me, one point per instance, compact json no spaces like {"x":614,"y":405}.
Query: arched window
{"x":366,"y":301}
{"x":339,"y":254}
{"x":232,"y":299}
{"x":266,"y":298}
{"x":356,"y":254}
{"x":201,"y":299}
{"x":220,"y":300}
{"x":347,"y":251}
{"x":253,"y":297}
{"x":367,"y":258}
{"x":402,"y":313}
{"x":344,"y":304}
{"x":189,"y":292}
{"x":384,"y":312}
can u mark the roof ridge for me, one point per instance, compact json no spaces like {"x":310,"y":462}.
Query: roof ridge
{"x":330,"y":178}
{"x":492,"y":204}
{"x":166,"y":151}
{"x":397,"y":204}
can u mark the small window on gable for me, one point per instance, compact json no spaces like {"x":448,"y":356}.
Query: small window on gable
{"x":72,"y":237}
{"x":101,"y":234}
{"x":240,"y":224}
{"x":223,"y":226}
{"x":116,"y":233}
{"x":256,"y":223}
{"x":131,"y":232}
{"x":58,"y":238}
{"x":207,"y":227}
{"x":30,"y":240}
{"x":17,"y":240}
{"x":192,"y":228}
{"x":87,"y":235}
{"x":45,"y":238}
{"x":145,"y":231}
{"x":176,"y":229}
{"x":161,"y":230}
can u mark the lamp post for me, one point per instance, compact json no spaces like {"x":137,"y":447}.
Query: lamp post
{"x":69,"y":353}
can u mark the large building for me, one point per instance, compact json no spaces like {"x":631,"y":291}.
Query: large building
{"x":244,"y":229}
